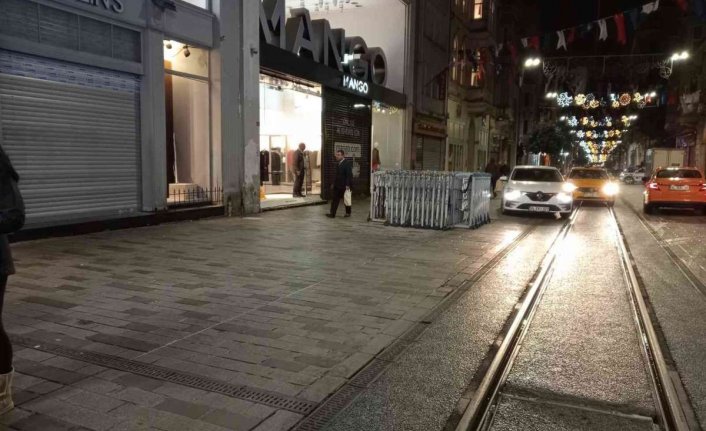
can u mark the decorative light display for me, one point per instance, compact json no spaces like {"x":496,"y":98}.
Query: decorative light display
{"x":580,"y":99}
{"x":625,"y":99}
{"x":573,"y":122}
{"x":637,"y":98}
{"x":580,"y":134}
{"x":590,"y":97}
{"x":564,"y":100}
{"x":593,"y":104}
{"x":615,"y":104}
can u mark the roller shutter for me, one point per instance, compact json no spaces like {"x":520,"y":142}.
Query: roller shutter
{"x":72,"y":134}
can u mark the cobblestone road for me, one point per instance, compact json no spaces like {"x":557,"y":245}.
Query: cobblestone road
{"x":287,"y":306}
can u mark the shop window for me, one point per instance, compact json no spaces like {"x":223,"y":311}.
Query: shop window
{"x":290,"y":114}
{"x":190,"y":162}
{"x":388,"y":137}
{"x":478,"y":9}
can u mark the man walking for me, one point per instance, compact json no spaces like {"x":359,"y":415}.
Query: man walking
{"x":300,"y":170}
{"x":341,"y":183}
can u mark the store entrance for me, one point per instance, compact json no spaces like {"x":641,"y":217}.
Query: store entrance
{"x":290,"y":115}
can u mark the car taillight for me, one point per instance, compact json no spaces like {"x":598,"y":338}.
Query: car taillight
{"x":702,"y":188}
{"x":653,"y":186}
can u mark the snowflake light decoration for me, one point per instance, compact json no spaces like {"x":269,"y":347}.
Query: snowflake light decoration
{"x":615,"y":104}
{"x":585,"y":121}
{"x":580,"y":99}
{"x":625,"y":99}
{"x":590,"y":97}
{"x":637,"y":98}
{"x":573,"y":122}
{"x":593,"y":104}
{"x":580,"y":134}
{"x":564,"y":100}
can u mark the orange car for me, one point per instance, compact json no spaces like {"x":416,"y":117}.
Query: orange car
{"x":675,"y":187}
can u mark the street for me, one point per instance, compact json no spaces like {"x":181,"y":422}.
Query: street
{"x":283,"y":321}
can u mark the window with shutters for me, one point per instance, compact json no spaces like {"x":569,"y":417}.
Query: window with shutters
{"x":28,"y":20}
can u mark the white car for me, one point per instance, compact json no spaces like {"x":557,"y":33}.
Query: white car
{"x":634,"y":177}
{"x":537,"y":189}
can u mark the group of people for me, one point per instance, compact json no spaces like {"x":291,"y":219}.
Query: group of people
{"x":342,"y":182}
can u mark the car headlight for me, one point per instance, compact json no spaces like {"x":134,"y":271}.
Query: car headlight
{"x":611,"y":189}
{"x":512,"y":194}
{"x":568,"y":188}
{"x":564,"y":197}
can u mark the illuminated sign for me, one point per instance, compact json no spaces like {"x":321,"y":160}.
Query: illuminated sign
{"x":317,"y":41}
{"x":357,"y":85}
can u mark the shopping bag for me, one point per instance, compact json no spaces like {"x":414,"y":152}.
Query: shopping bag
{"x":348,"y":198}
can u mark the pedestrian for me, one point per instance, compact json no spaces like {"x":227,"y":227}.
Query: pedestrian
{"x":492,"y":169}
{"x":341,"y":183}
{"x":12,"y":217}
{"x":300,"y":171}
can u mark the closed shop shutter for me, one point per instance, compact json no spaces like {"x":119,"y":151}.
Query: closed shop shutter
{"x":75,"y":146}
{"x":433,"y":154}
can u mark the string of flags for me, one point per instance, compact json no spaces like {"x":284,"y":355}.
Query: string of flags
{"x":618,"y":27}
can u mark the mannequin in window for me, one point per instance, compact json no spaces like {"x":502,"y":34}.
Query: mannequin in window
{"x":276,"y":165}
{"x":376,"y":157}
{"x":264,"y":166}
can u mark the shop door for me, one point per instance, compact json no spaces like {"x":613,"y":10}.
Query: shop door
{"x":433,"y":157}
{"x":74,"y":145}
{"x":347,"y":125}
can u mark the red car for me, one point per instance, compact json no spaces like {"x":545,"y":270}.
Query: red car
{"x":675,"y":188}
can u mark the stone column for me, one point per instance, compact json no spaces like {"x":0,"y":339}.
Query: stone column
{"x":235,"y":100}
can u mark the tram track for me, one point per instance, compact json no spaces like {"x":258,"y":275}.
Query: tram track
{"x":672,"y":408}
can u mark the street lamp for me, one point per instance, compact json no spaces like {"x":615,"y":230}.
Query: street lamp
{"x":532,"y":62}
{"x":552,"y":95}
{"x":680,"y":56}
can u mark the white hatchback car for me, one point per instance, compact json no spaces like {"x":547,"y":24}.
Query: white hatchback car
{"x":537,"y":189}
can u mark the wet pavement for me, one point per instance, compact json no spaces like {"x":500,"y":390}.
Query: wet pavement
{"x":296,"y":308}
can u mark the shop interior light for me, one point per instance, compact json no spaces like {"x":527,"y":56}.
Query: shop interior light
{"x":653,"y":94}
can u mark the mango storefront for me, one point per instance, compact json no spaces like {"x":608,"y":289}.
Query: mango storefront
{"x":331,"y":80}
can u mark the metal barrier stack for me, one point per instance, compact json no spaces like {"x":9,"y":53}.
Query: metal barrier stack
{"x":430,"y":200}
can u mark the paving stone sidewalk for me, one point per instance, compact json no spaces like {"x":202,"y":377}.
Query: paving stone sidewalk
{"x":288,"y":302}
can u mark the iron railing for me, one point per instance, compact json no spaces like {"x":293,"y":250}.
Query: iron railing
{"x":195,"y":196}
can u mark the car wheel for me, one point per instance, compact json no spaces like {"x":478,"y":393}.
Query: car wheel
{"x":647,"y":208}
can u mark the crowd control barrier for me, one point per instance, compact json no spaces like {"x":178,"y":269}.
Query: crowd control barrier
{"x":430,"y":199}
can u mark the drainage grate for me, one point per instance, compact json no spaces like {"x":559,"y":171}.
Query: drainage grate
{"x":267,"y":398}
{"x":393,"y":350}
{"x":329,"y":409}
{"x":366,"y":376}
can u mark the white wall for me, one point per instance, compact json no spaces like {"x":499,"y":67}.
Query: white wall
{"x":382,"y":23}
{"x":191,"y":127}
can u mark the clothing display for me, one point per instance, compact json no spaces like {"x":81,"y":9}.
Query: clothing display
{"x":376,"y":160}
{"x":276,"y":165}
{"x":264,"y":166}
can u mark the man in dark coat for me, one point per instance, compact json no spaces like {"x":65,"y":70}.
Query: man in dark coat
{"x":342,"y":182}
{"x":300,"y":170}
{"x":12,"y":218}
{"x":494,"y":170}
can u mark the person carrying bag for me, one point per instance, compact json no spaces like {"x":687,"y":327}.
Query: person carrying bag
{"x":12,"y":218}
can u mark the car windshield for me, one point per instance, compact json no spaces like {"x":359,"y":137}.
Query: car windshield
{"x":588,"y":174}
{"x":678,"y":173}
{"x":538,"y":175}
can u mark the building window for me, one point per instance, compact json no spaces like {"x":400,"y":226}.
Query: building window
{"x":193,"y":173}
{"x":457,"y":57}
{"x":475,"y":69}
{"x":205,"y":4}
{"x":478,"y":9}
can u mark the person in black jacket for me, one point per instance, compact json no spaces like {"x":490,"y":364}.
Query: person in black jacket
{"x":341,"y":183}
{"x":300,"y":170}
{"x":12,"y":217}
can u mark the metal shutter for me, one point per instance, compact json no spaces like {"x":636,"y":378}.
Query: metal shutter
{"x":433,"y":154}
{"x":75,"y":146}
{"x":347,"y":119}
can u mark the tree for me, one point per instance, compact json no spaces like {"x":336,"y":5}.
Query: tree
{"x":552,"y":140}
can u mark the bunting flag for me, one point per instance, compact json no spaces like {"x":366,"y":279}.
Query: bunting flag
{"x":562,"y":40}
{"x":626,"y":23}
{"x":622,"y":37}
{"x":603,"y":30}
{"x":650,"y":7}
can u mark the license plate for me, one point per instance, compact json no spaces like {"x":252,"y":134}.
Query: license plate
{"x":591,"y":195}
{"x":679,"y":188}
{"x":539,"y":209}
